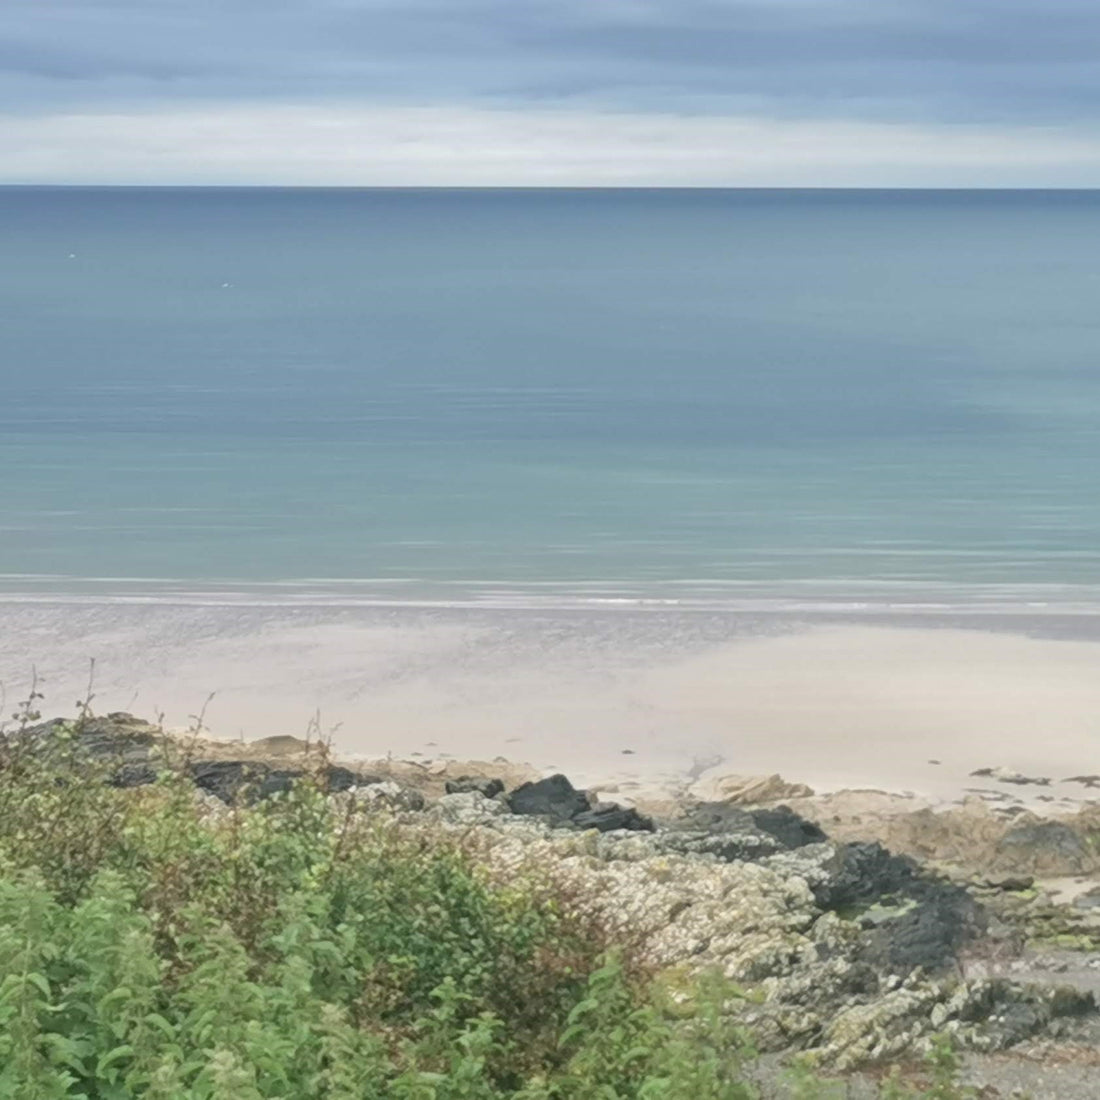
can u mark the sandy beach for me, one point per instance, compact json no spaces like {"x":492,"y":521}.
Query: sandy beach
{"x":643,"y":694}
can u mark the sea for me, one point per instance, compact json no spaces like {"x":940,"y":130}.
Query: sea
{"x":604,"y":396}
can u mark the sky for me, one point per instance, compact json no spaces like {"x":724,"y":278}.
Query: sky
{"x":551,"y":92}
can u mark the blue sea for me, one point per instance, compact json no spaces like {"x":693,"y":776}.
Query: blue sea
{"x":598,"y":394}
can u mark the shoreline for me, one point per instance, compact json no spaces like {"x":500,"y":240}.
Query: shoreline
{"x":624,"y":694}
{"x":814,"y":597}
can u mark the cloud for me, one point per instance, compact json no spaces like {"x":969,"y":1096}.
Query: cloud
{"x":354,"y":145}
{"x":983,"y":60}
{"x":986,"y":65}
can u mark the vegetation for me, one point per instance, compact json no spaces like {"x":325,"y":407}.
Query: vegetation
{"x":296,"y":949}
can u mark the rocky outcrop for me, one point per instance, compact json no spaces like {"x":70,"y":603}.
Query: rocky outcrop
{"x":250,"y":780}
{"x":996,"y":839}
{"x":844,"y":948}
{"x":130,"y":752}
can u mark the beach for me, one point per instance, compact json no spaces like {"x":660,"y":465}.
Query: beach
{"x":626,"y":696}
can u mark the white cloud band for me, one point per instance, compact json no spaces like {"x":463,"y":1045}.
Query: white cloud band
{"x":348,"y":144}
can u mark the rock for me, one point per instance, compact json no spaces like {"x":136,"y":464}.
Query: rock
{"x":781,"y":823}
{"x":787,"y":827}
{"x":863,"y":873}
{"x":246,"y":780}
{"x":281,"y":745}
{"x":389,"y":795}
{"x":1008,"y":775}
{"x":554,"y":797}
{"x":1043,"y":848}
{"x":716,"y":817}
{"x":137,"y":751}
{"x":490,"y":788}
{"x":339,"y":778}
{"x":610,"y":817}
{"x":747,"y":789}
{"x":253,"y":780}
{"x":467,"y":808}
{"x":557,"y":800}
{"x":129,"y":745}
{"x":926,"y":931}
{"x":1009,"y":883}
{"x":721,"y":830}
{"x":1088,"y":900}
{"x":851,"y":951}
{"x":877,"y":1031}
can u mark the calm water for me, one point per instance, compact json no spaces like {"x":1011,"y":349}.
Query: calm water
{"x":616,"y":390}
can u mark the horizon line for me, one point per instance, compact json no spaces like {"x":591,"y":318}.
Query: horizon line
{"x":131,"y":186}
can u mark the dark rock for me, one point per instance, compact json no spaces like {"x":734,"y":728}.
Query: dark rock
{"x":863,"y":873}
{"x":930,"y":929}
{"x":722,"y":830}
{"x":1007,"y":775}
{"x":337,"y":778}
{"x":490,"y":788}
{"x":554,"y":797}
{"x":557,"y":799}
{"x":1007,"y":883}
{"x":116,"y":736}
{"x":715,"y":817}
{"x":118,"y":748}
{"x":790,"y":829}
{"x":253,"y":780}
{"x":607,"y":818}
{"x":226,"y":779}
{"x":781,"y":823}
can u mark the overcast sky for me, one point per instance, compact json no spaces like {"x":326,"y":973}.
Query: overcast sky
{"x":758,"y":92}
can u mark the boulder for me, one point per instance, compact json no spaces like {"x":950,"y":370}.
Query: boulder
{"x":385,"y":793}
{"x":489,"y":788}
{"x":1043,"y":848}
{"x":227,"y":779}
{"x":554,"y":797}
{"x":608,"y":817}
{"x":789,"y":828}
{"x":747,"y":789}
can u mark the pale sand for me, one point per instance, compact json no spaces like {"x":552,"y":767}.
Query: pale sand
{"x":829,"y":703}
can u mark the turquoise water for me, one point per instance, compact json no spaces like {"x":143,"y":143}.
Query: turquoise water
{"x":593,"y":391}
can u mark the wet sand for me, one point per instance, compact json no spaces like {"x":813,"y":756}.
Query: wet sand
{"x":833,"y":700}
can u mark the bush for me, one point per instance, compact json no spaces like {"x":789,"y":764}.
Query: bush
{"x":297,"y":949}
